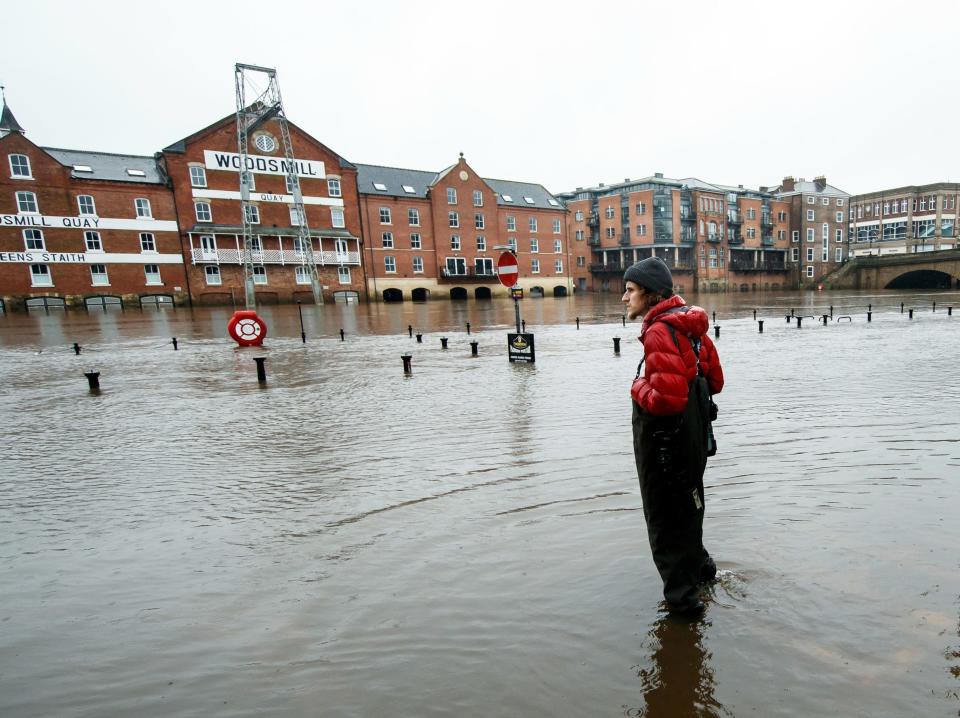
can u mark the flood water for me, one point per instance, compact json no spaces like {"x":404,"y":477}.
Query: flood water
{"x":469,"y":540}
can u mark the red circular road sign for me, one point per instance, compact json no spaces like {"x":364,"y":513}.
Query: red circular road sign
{"x":507,"y":270}
{"x":247,"y":329}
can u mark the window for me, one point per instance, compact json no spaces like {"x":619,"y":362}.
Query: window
{"x":385,"y":217}
{"x":809,"y":215}
{"x":27,"y":203}
{"x":252,"y":213}
{"x":147,"y":242}
{"x":413,"y":217}
{"x":810,"y":234}
{"x":483,"y":267}
{"x":781,"y":216}
{"x":336,"y":217}
{"x":534,"y":245}
{"x":810,"y":271}
{"x":453,"y":219}
{"x":535,"y":266}
{"x":455,"y":243}
{"x":825,"y":230}
{"x":295,"y":219}
{"x":456,"y":266}
{"x":451,"y":195}
{"x":557,"y":246}
{"x":860,"y":211}
{"x":478,"y":221}
{"x":98,"y":275}
{"x":903,"y":205}
{"x":298,"y":247}
{"x":343,"y":275}
{"x":923,"y":204}
{"x":142,"y":206}
{"x":20,"y":166}
{"x":838,"y":255}
{"x":301,"y":274}
{"x":198,"y":176}
{"x":608,"y":212}
{"x":558,"y":266}
{"x":840,"y":216}
{"x":533,"y":224}
{"x":611,"y":232}
{"x":528,"y":200}
{"x":839,"y":237}
{"x":415,"y":241}
{"x":809,"y":254}
{"x":826,"y":255}
{"x":256,"y":247}
{"x":581,"y":261}
{"x":418,"y":265}
{"x":512,"y":243}
{"x":811,"y":200}
{"x":579,"y":216}
{"x":33,"y":239}
{"x":751,"y":213}
{"x":839,"y":202}
{"x":481,"y":244}
{"x":212,"y":274}
{"x":387,"y":238}
{"x":152,"y":274}
{"x":390,"y":264}
{"x":795,"y":254}
{"x":578,"y":234}
{"x":511,"y":223}
{"x":477,"y":198}
{"x":641,"y":230}
{"x":641,"y":208}
{"x":380,"y":186}
{"x":86,"y":204}
{"x":292,"y":182}
{"x":886,"y":208}
{"x":265,"y":143}
{"x":556,"y":226}
{"x":203,"y":212}
{"x":40,"y":275}
{"x":259,"y":274}
{"x":408,"y":189}
{"x":751,"y":232}
{"x":507,"y":198}
{"x":333,"y":187}
{"x":781,"y":234}
{"x":91,"y":241}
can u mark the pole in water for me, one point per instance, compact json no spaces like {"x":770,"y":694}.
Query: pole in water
{"x":523,"y":324}
{"x":473,"y":348}
{"x":934,"y":306}
{"x":406,"y":363}
{"x":788,"y":319}
{"x":341,"y":335}
{"x":911,"y":314}
{"x":443,"y":342}
{"x":624,"y":319}
{"x":93,"y":379}
{"x":419,"y":338}
{"x":869,"y":307}
{"x":616,"y":345}
{"x":760,"y":324}
{"x":901,"y":307}
{"x":716,"y":331}
{"x":799,"y":322}
{"x":754,"y":314}
{"x":261,"y":369}
{"x":791,"y":311}
{"x":174,"y":344}
{"x":578,"y":322}
{"x":825,"y":317}
{"x":410,"y":330}
{"x":76,"y":349}
{"x":831,"y":311}
{"x":950,"y":311}
{"x":869,"y":316}
{"x":303,"y":334}
{"x":468,"y":327}
{"x":714,"y":317}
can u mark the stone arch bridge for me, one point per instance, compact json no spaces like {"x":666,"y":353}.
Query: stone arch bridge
{"x":924,"y":270}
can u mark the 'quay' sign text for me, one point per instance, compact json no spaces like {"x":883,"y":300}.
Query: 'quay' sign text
{"x":258,"y":164}
{"x":44,"y":221}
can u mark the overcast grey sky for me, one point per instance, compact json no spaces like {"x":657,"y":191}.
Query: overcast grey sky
{"x":564,"y":94}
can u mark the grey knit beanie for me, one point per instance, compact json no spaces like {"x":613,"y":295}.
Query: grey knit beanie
{"x":651,"y":273}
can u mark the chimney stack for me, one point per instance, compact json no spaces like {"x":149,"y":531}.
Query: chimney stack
{"x":820,"y":183}
{"x":788,"y":184}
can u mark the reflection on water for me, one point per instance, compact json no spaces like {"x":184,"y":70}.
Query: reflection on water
{"x":347,"y":541}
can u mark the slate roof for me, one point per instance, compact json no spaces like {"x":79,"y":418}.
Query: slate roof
{"x":8,"y":123}
{"x":108,"y":166}
{"x":805,"y":187}
{"x":394,"y":179}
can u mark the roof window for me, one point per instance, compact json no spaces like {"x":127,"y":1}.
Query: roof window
{"x":528,"y":200}
{"x":82,"y":168}
{"x":408,"y":189}
{"x":380,"y":186}
{"x":507,"y":198}
{"x":136,"y":173}
{"x":553,"y":202}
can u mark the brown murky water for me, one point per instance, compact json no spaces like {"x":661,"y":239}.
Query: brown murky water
{"x":468,"y":541}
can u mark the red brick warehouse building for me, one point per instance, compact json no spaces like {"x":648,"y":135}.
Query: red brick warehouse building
{"x":84,"y":227}
{"x":204,"y":170}
{"x":435,"y":234}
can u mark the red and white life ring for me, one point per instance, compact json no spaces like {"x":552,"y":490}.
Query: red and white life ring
{"x":246,"y":328}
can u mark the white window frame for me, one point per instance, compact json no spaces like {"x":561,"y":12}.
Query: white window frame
{"x":99,"y":279}
{"x":386,"y":216}
{"x":532,"y":224}
{"x":558,"y":266}
{"x":481,"y":243}
{"x":336,"y":217}
{"x":333,"y":187}
{"x":838,"y":254}
{"x":389,"y":264}
{"x":459,"y":263}
{"x":33,"y":232}
{"x":416,"y":241}
{"x":840,"y":216}
{"x":795,"y":254}
{"x":453,"y":219}
{"x":579,"y":215}
{"x":534,"y":266}
{"x":152,"y":279}
{"x":478,"y":221}
{"x":811,"y":234}
{"x":28,"y":200}
{"x":295,"y":218}
{"x":810,"y":215}
{"x":534,"y":245}
{"x":343,"y":275}
{"x":483,"y":266}
{"x":211,"y":274}
{"x":386,"y":240}
{"x":825,"y":231}
{"x":839,"y":201}
{"x":809,"y":271}
{"x":511,"y":223}
{"x":197,"y":211}
{"x":418,"y":265}
{"x":40,"y":275}
{"x":839,"y":236}
{"x":825,"y":201}
{"x":253,"y":213}
{"x":292,"y":183}
{"x":556,"y":226}
{"x":148,"y":243}
{"x":810,"y":253}
{"x":477,"y":198}
{"x":86,"y":211}
{"x":451,"y":195}
{"x":557,"y":246}
{"x":413,"y":217}
{"x":455,"y":243}
{"x":13,"y":170}
{"x":142,"y":207}
{"x":198,"y":176}
{"x":259,"y":274}
{"x":92,"y":242}
{"x":301,"y":274}
{"x":811,"y":199}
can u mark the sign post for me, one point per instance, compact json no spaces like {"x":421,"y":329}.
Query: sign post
{"x":519,"y":345}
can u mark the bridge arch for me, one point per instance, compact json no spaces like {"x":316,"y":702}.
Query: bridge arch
{"x":921,"y":279}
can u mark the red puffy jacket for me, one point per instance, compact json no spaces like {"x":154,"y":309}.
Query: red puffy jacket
{"x":663,"y":388}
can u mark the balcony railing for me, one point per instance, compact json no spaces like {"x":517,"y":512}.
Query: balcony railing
{"x":593,"y":221}
{"x":713,"y":237}
{"x":766,"y":220}
{"x":767,"y":241}
{"x":734,"y":217}
{"x":735,"y":239}
{"x":272,"y":256}
{"x":469,"y":274}
{"x":615,"y":267}
{"x":765,"y":266}
{"x":688,"y":215}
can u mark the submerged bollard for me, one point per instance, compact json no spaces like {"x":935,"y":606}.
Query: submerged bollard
{"x":76,"y":349}
{"x":406,"y":363}
{"x":799,"y":322}
{"x":760,"y":324}
{"x":410,"y":330}
{"x":616,"y":345}
{"x":93,"y":379}
{"x":869,"y":307}
{"x":791,"y":311}
{"x":825,"y":317}
{"x":754,"y":315}
{"x":523,"y":324}
{"x":443,"y":342}
{"x":949,"y":311}
{"x":910,"y":315}
{"x":934,"y":306}
{"x":869,"y":316}
{"x":578,"y":322}
{"x":788,"y":318}
{"x":473,"y":348}
{"x":419,"y":338}
{"x":261,"y":369}
{"x":901,"y":307}
{"x":174,"y":344}
{"x":716,"y":331}
{"x":468,"y":327}
{"x":624,"y":320}
{"x":831,"y":311}
{"x":341,"y":335}
{"x":714,"y":317}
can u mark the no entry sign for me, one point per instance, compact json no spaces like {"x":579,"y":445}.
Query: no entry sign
{"x":507,"y":271}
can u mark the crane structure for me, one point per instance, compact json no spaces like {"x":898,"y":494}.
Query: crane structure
{"x":257,"y":104}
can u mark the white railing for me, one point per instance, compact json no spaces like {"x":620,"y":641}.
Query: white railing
{"x":274,"y":256}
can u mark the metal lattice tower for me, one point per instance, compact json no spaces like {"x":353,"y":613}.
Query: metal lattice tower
{"x":254,"y":108}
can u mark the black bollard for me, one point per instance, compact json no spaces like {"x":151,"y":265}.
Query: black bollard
{"x":869,"y":307}
{"x":473,"y":348}
{"x":523,"y":324}
{"x":624,"y":318}
{"x":341,"y":335}
{"x":714,"y":317}
{"x":76,"y":349}
{"x":616,"y":345}
{"x":788,"y":319}
{"x":716,"y":331}
{"x":443,"y":342}
{"x":869,"y":316}
{"x":934,"y":306}
{"x":754,"y":315}
{"x":825,"y":317}
{"x":791,"y":311}
{"x":261,"y":369}
{"x":406,"y":363}
{"x":760,"y":323}
{"x":410,"y":330}
{"x":578,"y":322}
{"x":419,"y":338}
{"x":831,"y":311}
{"x":93,"y":379}
{"x":303,"y":334}
{"x":799,"y":322}
{"x":949,"y":311}
{"x":901,"y":307}
{"x":468,"y":327}
{"x":174,"y":344}
{"x":911,"y":313}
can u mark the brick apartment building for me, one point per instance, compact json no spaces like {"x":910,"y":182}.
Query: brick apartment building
{"x":714,"y":237}
{"x":204,"y":171}
{"x":79,"y":226}
{"x":818,"y":228}
{"x":436,"y":234}
{"x":904,"y":220}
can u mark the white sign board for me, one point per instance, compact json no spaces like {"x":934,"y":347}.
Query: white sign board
{"x":259,"y":164}
{"x":43,"y":221}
